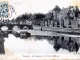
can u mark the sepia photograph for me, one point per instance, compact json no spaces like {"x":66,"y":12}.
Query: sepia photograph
{"x":39,"y":29}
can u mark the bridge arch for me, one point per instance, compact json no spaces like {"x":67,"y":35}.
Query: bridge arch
{"x":30,"y":26}
{"x":4,"y":27}
{"x":15,"y":27}
{"x":25,"y":27}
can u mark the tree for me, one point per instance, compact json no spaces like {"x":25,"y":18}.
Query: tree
{"x":18,"y":19}
{"x":57,"y":9}
{"x":39,"y":16}
{"x":49,"y":16}
{"x":76,"y":12}
{"x":77,"y":9}
{"x":23,"y":18}
{"x":26,"y":16}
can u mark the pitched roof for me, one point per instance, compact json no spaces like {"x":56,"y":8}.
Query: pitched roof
{"x":65,"y":10}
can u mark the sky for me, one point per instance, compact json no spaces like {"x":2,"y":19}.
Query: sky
{"x":37,"y":6}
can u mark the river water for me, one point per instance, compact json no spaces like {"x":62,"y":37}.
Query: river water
{"x":32,"y":46}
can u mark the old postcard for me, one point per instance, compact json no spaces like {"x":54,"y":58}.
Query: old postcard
{"x":39,"y":29}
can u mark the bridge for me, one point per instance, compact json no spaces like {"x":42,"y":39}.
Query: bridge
{"x":10,"y":26}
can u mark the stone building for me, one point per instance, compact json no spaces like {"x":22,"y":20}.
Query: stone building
{"x":67,"y":17}
{"x":54,"y":21}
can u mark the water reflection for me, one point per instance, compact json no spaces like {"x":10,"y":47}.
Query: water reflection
{"x":68,"y":43}
{"x":37,"y":44}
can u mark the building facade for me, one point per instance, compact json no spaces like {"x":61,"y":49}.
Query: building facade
{"x":67,"y":17}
